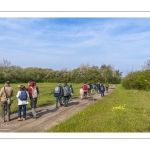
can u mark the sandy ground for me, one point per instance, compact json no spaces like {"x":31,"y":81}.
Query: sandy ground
{"x":49,"y":115}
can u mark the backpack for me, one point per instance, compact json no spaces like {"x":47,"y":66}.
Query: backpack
{"x":23,"y":95}
{"x":84,"y":87}
{"x":102,"y":88}
{"x":57,"y":90}
{"x":88,"y":86}
{"x":94,"y":86}
{"x":66,"y":91}
{"x":34,"y":92}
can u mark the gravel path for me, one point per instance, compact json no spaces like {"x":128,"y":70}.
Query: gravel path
{"x":49,"y":115}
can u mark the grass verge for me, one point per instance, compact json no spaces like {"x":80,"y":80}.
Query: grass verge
{"x":121,"y":111}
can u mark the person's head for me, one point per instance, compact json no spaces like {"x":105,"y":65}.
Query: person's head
{"x":7,"y":83}
{"x":70,"y":85}
{"x":22,"y":87}
{"x":59,"y":84}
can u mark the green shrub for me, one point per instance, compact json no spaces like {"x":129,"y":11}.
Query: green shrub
{"x":137,"y":80}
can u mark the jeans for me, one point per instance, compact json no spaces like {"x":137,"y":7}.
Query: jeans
{"x":33,"y":102}
{"x":20,"y":110}
{"x":102,"y":93}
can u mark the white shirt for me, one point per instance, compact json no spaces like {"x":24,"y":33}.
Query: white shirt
{"x":20,"y":102}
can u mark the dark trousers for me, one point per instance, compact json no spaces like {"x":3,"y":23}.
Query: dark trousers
{"x":66,"y":99}
{"x":5,"y":108}
{"x":20,"y":108}
{"x":33,"y":102}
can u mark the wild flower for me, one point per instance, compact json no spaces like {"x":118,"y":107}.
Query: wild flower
{"x":118,"y":108}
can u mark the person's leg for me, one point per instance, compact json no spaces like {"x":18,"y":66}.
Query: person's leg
{"x":8,"y":112}
{"x":24,"y":112}
{"x":33,"y":107}
{"x":3,"y":111}
{"x":19,"y":112}
{"x":57,"y":101}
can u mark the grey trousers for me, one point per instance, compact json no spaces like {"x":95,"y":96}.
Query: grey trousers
{"x":33,"y":102}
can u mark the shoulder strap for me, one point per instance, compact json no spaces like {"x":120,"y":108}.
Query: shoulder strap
{"x":5,"y":92}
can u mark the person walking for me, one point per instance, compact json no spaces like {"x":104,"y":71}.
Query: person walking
{"x":107,"y":86}
{"x":95,"y":88}
{"x":71,"y":92}
{"x":102,"y":90}
{"x":22,"y":96}
{"x":6,"y":93}
{"x":66,"y":90}
{"x":85,"y":88}
{"x":81,"y":92}
{"x":58,"y":93}
{"x":33,"y":95}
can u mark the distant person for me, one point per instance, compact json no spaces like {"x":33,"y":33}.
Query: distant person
{"x":71,"y":92}
{"x":107,"y":86}
{"x":85,"y":88}
{"x":66,"y":90}
{"x":95,"y":88}
{"x":81,"y":93}
{"x":33,"y":95}
{"x":58,"y":93}
{"x":5,"y":93}
{"x":98,"y":87}
{"x":22,"y":96}
{"x":102,"y":90}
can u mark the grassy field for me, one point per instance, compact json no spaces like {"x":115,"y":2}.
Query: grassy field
{"x":121,"y":111}
{"x":45,"y":96}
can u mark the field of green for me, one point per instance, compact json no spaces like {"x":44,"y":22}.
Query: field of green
{"x":121,"y":111}
{"x":45,"y":97}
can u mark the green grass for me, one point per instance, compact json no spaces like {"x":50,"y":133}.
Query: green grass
{"x":121,"y":111}
{"x":45,"y":96}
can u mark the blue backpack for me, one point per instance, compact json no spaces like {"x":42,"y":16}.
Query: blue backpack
{"x":102,"y":88}
{"x":23,"y":95}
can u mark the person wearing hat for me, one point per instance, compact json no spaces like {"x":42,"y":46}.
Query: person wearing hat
{"x":5,"y":93}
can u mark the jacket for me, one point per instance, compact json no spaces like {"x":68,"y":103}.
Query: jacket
{"x":32,"y":85}
{"x":20,"y":102}
{"x":9,"y":92}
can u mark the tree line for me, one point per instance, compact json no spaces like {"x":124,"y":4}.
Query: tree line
{"x":84,"y":73}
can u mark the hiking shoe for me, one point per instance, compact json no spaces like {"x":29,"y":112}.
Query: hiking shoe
{"x":19,"y":119}
{"x":23,"y":119}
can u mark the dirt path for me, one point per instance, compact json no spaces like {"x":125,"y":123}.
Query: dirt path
{"x":48,"y":116}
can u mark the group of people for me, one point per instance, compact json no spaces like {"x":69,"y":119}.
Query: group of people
{"x":23,"y":94}
{"x":87,"y":89}
{"x":62,"y":93}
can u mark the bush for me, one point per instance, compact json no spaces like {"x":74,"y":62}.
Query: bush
{"x":137,"y":80}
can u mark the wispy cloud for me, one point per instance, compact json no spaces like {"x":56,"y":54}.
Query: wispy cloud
{"x":68,"y":42}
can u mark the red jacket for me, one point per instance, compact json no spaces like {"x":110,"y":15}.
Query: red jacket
{"x":32,"y":85}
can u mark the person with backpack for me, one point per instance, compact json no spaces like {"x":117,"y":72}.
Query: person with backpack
{"x":58,"y":93}
{"x":71,"y":91}
{"x":22,"y":96}
{"x":98,"y":88}
{"x":102,"y":90}
{"x":66,"y":90}
{"x":85,"y":88}
{"x":6,"y":93}
{"x":107,"y":86}
{"x":33,"y":95}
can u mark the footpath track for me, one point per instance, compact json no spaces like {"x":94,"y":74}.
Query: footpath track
{"x":49,"y":115}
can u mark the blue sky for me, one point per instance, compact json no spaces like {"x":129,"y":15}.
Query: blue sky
{"x":59,"y":43}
